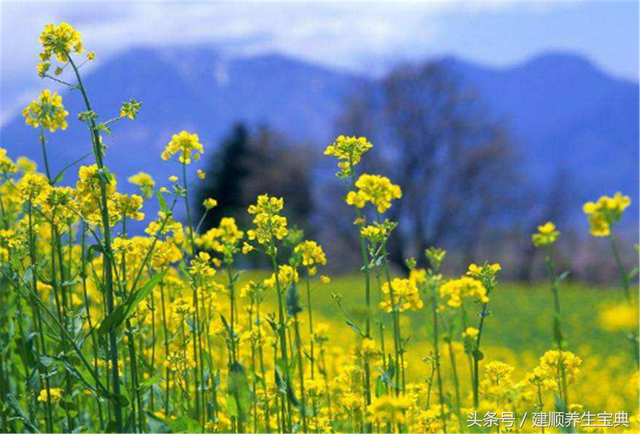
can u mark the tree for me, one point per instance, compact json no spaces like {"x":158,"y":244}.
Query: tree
{"x":279,"y":167}
{"x":226,"y":175}
{"x":249,"y":164}
{"x":451,"y":160}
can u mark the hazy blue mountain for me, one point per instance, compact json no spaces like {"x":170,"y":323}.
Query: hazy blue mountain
{"x":563,"y":112}
{"x":558,"y":108}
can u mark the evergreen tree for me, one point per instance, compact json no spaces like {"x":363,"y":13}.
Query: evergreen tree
{"x":226,"y":174}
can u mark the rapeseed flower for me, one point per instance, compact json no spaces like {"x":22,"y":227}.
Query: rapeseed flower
{"x":46,"y":112}
{"x":311,"y":255}
{"x":269,"y":225}
{"x":187,"y":146}
{"x":59,"y":41}
{"x":55,"y":395}
{"x":389,"y":408}
{"x":456,"y":290}
{"x":348,"y":151}
{"x":605,"y":213}
{"x":376,"y":190}
{"x":546,"y":235}
{"x":619,"y":317}
{"x":6,"y":165}
{"x":145,"y":182}
{"x":400,"y":295}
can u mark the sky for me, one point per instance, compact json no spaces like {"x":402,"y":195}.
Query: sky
{"x":362,"y":36}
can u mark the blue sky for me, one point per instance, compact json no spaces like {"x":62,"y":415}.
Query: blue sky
{"x":362,"y":36}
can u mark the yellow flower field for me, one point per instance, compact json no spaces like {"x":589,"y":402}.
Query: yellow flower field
{"x":101,"y":331}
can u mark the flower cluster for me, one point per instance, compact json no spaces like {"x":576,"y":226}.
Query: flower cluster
{"x":456,"y":290}
{"x":144,"y":181}
{"x":269,"y":224}
{"x":59,"y":41}
{"x":223,"y":239}
{"x":348,"y":151}
{"x":186,"y":146}
{"x":555,"y":364}
{"x":606,"y":212}
{"x":310,"y":255}
{"x":389,"y":409}
{"x":546,"y":235}
{"x":376,"y":190}
{"x":400,"y":295}
{"x":287,"y":276}
{"x":487,"y":274}
{"x":7,"y":166}
{"x":55,"y":395}
{"x":46,"y":112}
{"x":498,"y":372}
{"x":619,"y":317}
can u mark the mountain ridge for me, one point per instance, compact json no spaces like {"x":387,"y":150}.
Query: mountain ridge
{"x":559,"y":108}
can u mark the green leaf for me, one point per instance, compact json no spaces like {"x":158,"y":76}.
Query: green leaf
{"x":162,"y":202}
{"x":238,"y":393}
{"x":563,"y":276}
{"x":184,"y":424}
{"x":124,"y":310}
{"x":150,"y":382}
{"x":59,"y":177}
{"x":354,"y":327}
{"x":477,"y":354}
{"x":102,"y":127}
{"x":156,"y":424}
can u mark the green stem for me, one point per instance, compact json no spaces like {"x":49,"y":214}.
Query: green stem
{"x":108,"y":268}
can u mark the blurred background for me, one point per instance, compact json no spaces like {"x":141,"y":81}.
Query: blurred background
{"x":493,"y":117}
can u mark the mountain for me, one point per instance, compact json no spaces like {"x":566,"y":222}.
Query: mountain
{"x":561,"y":110}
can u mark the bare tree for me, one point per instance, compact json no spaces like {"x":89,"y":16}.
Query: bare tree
{"x":452,"y":161}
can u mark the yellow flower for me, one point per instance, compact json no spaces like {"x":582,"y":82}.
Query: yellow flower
{"x":368,"y":349}
{"x":46,"y":112}
{"x":130,"y":109}
{"x":389,"y":408}
{"x":325,"y":280}
{"x":224,"y":239}
{"x":312,"y":255}
{"x":498,"y":372}
{"x":33,"y":187}
{"x":620,"y":317}
{"x":127,"y":206}
{"x":470,"y":332}
{"x":268,"y":222}
{"x":201,"y":267}
{"x":55,"y":395}
{"x":209,"y":203}
{"x":59,"y":41}
{"x":26,"y":165}
{"x":376,"y":190}
{"x":546,"y":235}
{"x":348,"y":151}
{"x":187,"y":145}
{"x":553,"y":364}
{"x":375,"y":233}
{"x":287,"y":276}
{"x":144,"y":181}
{"x":454,"y":291}
{"x":201,"y":174}
{"x":246,"y":248}
{"x":606,"y":212}
{"x":6,"y":165}
{"x":400,"y":295}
